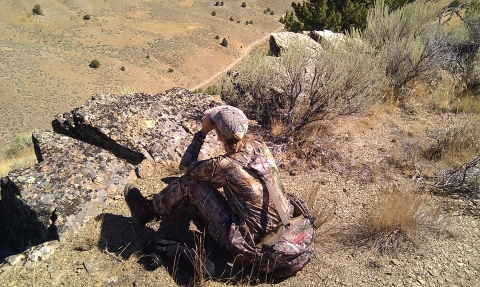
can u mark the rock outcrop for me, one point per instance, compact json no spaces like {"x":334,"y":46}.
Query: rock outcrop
{"x":92,"y":153}
{"x":282,"y":40}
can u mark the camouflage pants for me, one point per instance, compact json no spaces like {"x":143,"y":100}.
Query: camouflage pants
{"x":209,"y":201}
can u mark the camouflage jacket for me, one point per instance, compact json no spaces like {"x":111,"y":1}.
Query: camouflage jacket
{"x":248,"y":197}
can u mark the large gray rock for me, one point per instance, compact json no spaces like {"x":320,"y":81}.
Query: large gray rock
{"x":60,"y":194}
{"x":157,"y":128}
{"x":326,"y":35}
{"x":283,"y":40}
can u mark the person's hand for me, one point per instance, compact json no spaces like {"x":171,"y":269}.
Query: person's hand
{"x":207,"y":123}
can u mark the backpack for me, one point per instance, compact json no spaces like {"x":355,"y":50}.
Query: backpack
{"x":289,"y":246}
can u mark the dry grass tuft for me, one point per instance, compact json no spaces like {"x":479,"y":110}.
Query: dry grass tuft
{"x":127,"y":90}
{"x":456,"y":139}
{"x":25,"y":158}
{"x":396,"y":218}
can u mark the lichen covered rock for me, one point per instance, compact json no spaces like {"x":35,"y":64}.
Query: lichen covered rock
{"x":60,"y":194}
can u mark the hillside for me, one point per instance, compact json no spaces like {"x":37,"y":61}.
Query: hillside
{"x":45,"y":58}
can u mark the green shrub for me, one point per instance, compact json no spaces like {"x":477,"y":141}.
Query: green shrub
{"x":268,"y":10}
{"x":251,"y":22}
{"x":472,"y":21}
{"x":122,"y":68}
{"x":37,"y":10}
{"x":94,"y":64}
{"x":265,"y":11}
{"x":454,"y":3}
{"x":224,"y":42}
{"x":217,"y":37}
{"x":272,"y":13}
{"x":170,"y":70}
{"x":302,"y":87}
{"x":244,"y":4}
{"x":217,"y":3}
{"x":212,"y":90}
{"x":147,"y":57}
{"x":214,"y":13}
{"x":231,"y":19}
{"x":87,"y":17}
{"x":20,"y":143}
{"x":409,"y":40}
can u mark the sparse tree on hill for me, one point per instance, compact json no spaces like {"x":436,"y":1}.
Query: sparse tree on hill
{"x":37,"y":10}
{"x":224,"y":42}
{"x":94,"y":64}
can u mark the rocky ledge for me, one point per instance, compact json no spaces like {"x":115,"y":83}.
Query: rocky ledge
{"x":92,"y":152}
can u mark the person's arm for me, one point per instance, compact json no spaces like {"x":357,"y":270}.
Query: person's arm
{"x":190,"y":157}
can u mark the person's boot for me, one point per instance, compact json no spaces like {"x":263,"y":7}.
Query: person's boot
{"x":141,"y":208}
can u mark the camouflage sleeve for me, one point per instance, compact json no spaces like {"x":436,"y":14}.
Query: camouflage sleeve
{"x":208,"y":170}
{"x":189,"y":158}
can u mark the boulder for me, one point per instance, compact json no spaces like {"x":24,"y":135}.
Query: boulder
{"x":60,"y":194}
{"x":327,"y":35}
{"x":282,"y":40}
{"x":155,"y":128}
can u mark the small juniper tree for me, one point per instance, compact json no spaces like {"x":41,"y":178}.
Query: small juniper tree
{"x":224,"y":42}
{"x":122,"y":68}
{"x":244,"y":4}
{"x":231,"y":19}
{"x":214,"y":13}
{"x":217,"y":3}
{"x":37,"y":10}
{"x":217,"y":37}
{"x":94,"y":64}
{"x":87,"y":17}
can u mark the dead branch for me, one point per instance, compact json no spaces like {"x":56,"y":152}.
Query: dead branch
{"x":465,"y":176}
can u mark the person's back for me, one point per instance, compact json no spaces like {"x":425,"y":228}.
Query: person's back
{"x":240,"y":218}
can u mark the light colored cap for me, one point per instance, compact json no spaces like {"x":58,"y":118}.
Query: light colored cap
{"x":230,"y":121}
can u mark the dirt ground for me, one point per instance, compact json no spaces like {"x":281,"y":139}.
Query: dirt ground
{"x":110,"y":251}
{"x":44,"y":70}
{"x":44,"y":67}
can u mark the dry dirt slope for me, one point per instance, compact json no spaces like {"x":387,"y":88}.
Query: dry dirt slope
{"x":44,"y":63}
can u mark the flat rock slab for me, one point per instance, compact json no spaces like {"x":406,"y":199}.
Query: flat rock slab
{"x":60,"y":194}
{"x":157,"y":128}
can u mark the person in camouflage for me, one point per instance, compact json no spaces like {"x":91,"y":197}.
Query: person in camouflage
{"x":245,"y":199}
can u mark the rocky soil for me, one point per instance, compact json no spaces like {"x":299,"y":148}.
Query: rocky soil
{"x":109,"y":251}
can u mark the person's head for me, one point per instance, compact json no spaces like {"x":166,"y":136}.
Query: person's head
{"x":231,"y":126}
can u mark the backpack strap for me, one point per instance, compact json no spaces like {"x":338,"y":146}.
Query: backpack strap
{"x":268,"y":184}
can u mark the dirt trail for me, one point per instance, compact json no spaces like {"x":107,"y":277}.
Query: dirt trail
{"x":245,"y":53}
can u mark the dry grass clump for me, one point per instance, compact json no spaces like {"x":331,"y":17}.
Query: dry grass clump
{"x":323,"y":214}
{"x":18,"y":154}
{"x":456,"y":139}
{"x":396,"y":218}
